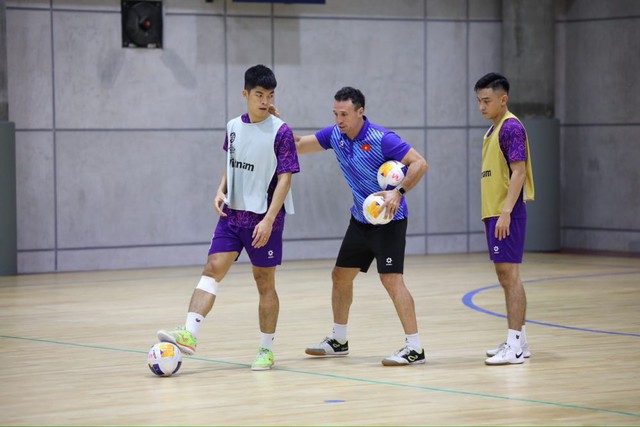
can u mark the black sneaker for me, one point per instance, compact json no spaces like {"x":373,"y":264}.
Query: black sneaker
{"x":405,"y":356}
{"x":329,"y":347}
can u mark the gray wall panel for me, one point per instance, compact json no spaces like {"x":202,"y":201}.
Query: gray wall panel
{"x":447,"y":243}
{"x":36,"y":262}
{"x":35,"y":190}
{"x":416,"y":245}
{"x":234,"y":8}
{"x":315,"y":71}
{"x":143,"y":198}
{"x":199,"y":6}
{"x":560,"y":105}
{"x":478,"y":243}
{"x":355,"y":9}
{"x":137,"y":188}
{"x":590,"y":9}
{"x":463,"y":9}
{"x":169,"y":6}
{"x":321,"y":197}
{"x":600,"y":173}
{"x":312,"y":249}
{"x":483,"y":58}
{"x":589,"y":57}
{"x":29,"y":69}
{"x":248,"y":43}
{"x":31,"y":4}
{"x":179,"y":86}
{"x":447,"y":9}
{"x":485,"y":9}
{"x":96,"y":5}
{"x":447,"y":186}
{"x":602,"y":240}
{"x":134,"y":257}
{"x":447,"y":98}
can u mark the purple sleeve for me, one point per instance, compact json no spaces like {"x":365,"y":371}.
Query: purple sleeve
{"x":393,"y":147}
{"x":513,"y":141}
{"x":225,"y":146}
{"x":324,"y":137}
{"x":285,"y":148}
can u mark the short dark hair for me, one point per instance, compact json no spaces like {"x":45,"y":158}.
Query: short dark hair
{"x":259,"y":75}
{"x":492,"y":81}
{"x":349,"y":93}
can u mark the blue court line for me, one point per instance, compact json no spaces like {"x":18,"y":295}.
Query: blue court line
{"x":467,"y":300}
{"x":346,"y":378}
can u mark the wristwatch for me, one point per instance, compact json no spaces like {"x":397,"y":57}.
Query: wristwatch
{"x":401,"y":190}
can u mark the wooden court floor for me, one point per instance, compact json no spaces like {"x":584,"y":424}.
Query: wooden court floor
{"x":74,"y":348}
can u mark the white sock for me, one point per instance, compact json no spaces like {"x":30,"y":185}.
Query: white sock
{"x":266,"y":340}
{"x":523,"y":336}
{"x":193,"y":323}
{"x":339,"y":332}
{"x":513,"y":339}
{"x":413,"y":341}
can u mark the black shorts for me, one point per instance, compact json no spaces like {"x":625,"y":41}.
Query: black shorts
{"x":364,"y":242}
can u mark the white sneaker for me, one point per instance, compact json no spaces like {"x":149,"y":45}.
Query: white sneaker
{"x":405,"y":356}
{"x":526,"y":352}
{"x":329,"y":347}
{"x":506,"y":356}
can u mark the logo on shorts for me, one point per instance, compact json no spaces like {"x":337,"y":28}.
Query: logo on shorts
{"x":270,"y":254}
{"x":389,"y":262}
{"x":496,"y":249}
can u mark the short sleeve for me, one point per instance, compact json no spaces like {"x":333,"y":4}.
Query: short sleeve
{"x":393,"y":147}
{"x":513,"y":141}
{"x":324,"y":137}
{"x":286,"y":151}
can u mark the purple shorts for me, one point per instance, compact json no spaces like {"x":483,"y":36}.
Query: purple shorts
{"x":229,"y":238}
{"x":510,"y":249}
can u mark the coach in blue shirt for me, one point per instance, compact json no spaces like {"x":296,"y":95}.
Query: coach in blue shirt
{"x":361,"y":147}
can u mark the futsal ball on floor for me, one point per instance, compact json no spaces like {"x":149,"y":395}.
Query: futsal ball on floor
{"x":164,"y":359}
{"x":374,"y":211}
{"x":390,"y":174}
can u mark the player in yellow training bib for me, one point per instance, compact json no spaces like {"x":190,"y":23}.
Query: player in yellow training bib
{"x":506,"y":184}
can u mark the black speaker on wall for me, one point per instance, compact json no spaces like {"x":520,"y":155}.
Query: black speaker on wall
{"x":141,"y":24}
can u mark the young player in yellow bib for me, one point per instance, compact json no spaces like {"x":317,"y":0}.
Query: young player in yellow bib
{"x":506,"y":184}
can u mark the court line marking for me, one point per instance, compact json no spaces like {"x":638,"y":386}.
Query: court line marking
{"x":467,"y":300}
{"x":347,"y":378}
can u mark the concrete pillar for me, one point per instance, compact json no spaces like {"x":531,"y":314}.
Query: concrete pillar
{"x":543,"y":214}
{"x":8,"y":219}
{"x":528,"y":53}
{"x":528,"y":46}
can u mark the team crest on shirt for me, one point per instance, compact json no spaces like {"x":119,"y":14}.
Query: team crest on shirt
{"x":232,"y":150}
{"x":365,"y":147}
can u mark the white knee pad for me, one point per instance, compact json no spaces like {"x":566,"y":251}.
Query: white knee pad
{"x":208,"y":284}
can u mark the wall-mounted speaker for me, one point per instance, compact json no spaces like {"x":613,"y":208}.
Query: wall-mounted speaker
{"x":141,"y":24}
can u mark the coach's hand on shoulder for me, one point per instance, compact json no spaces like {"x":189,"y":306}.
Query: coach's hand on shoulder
{"x":274,"y":110}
